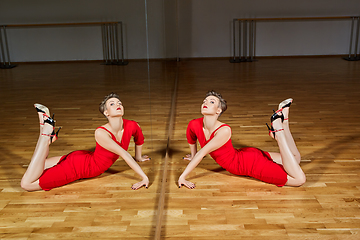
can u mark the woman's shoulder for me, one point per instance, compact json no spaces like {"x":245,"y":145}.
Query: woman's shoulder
{"x":127,"y":121}
{"x":130,"y":123}
{"x":222,"y":124}
{"x":102,"y":128}
{"x":196,"y":121}
{"x":224,"y":128}
{"x":102,"y":132}
{"x":195,"y":124}
{"x":132,"y":127}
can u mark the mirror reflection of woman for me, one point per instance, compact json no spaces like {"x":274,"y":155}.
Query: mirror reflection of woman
{"x":215,"y":138}
{"x":112,"y":141}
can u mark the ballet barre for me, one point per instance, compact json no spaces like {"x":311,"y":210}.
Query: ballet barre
{"x":109,"y":33}
{"x":244,"y":45}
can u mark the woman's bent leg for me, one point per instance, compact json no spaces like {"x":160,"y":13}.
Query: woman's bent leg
{"x":50,"y":162}
{"x":36,"y":167}
{"x":296,"y":176}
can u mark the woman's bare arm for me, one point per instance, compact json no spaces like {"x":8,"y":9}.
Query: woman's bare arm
{"x":104,"y":139}
{"x":138,"y":156}
{"x":193,"y":151}
{"x":220,"y":138}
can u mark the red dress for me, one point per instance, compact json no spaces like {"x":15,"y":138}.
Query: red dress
{"x":247,"y":161}
{"x":86,"y":164}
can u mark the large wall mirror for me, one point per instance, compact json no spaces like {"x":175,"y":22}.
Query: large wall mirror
{"x":48,"y":72}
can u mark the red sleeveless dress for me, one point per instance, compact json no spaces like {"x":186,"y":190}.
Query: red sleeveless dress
{"x":86,"y":164}
{"x":248,"y":161}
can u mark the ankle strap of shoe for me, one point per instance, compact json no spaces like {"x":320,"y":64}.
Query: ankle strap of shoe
{"x":48,"y":135}
{"x":277,"y":130}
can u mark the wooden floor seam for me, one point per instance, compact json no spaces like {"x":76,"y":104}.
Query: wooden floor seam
{"x":160,"y":211}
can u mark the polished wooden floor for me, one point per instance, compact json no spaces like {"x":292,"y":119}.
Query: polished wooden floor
{"x":325,"y":122}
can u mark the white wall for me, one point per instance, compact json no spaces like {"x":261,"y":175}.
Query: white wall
{"x":71,"y":43}
{"x":204,"y":27}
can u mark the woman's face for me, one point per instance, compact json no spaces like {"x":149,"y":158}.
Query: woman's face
{"x":210,"y":106}
{"x":114,"y":108}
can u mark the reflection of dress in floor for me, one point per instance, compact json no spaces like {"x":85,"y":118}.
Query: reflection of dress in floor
{"x":86,"y":164}
{"x":247,"y":161}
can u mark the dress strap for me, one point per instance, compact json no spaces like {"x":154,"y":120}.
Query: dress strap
{"x":222,"y":125}
{"x":112,"y":135}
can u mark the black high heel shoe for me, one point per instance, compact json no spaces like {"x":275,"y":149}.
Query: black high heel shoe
{"x":286,"y":103}
{"x":273,"y":117}
{"x":50,"y":120}
{"x":272,"y":130}
{"x":54,"y":135}
{"x":276,"y":115}
{"x":41,"y":108}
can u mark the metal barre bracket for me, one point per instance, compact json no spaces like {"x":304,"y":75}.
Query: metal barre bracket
{"x":354,"y":56}
{"x":5,"y":62}
{"x":246,"y":45}
{"x":110,"y":41}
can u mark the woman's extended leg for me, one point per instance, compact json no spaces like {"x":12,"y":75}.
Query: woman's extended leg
{"x":289,"y":137}
{"x":41,"y":109}
{"x":30,"y":180}
{"x":296,"y":176}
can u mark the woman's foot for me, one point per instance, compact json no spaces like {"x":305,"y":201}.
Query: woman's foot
{"x":276,"y":124}
{"x":284,"y":107}
{"x":277,"y":115}
{"x":285,"y":103}
{"x":41,"y":110}
{"x":48,"y":129}
{"x":54,"y":135}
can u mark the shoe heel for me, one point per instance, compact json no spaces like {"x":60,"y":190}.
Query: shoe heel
{"x":271,"y":130}
{"x":54,"y":135}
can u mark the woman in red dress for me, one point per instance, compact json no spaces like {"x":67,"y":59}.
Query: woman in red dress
{"x":215,"y":138}
{"x":112,"y":141}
